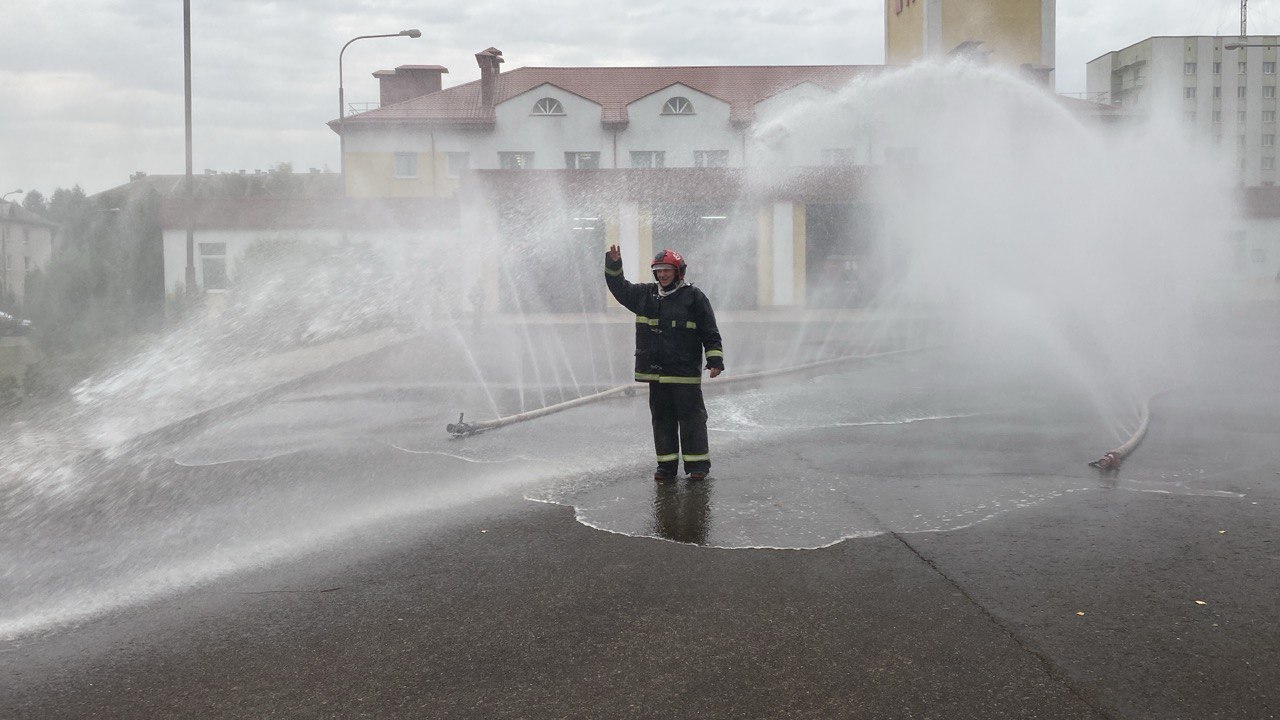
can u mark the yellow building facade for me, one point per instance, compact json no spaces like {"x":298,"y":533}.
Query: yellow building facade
{"x":1014,"y":33}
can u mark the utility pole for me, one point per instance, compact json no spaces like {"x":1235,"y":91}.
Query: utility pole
{"x":1244,"y":19}
{"x":191,"y":190}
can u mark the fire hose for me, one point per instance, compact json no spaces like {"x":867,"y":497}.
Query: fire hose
{"x":463,"y":428}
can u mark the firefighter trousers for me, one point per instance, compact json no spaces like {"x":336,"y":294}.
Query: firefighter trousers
{"x":679,"y":427}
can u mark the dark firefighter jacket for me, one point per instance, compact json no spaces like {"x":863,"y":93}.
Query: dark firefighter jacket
{"x":671,"y":331}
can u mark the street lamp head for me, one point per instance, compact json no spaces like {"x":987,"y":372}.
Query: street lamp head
{"x":413,"y":33}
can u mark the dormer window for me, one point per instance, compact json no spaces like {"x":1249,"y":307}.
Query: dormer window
{"x":678,"y":106}
{"x":547,"y":106}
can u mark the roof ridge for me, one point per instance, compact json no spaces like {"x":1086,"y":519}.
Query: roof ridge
{"x":675,"y":67}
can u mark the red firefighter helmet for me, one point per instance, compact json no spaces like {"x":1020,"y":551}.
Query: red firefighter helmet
{"x":669,"y":257}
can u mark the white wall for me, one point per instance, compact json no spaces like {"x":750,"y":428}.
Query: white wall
{"x":237,"y":241}
{"x":774,"y":145}
{"x":679,"y":135}
{"x":548,"y":136}
{"x":1097,"y":78}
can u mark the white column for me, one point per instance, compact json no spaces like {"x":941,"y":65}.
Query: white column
{"x":783,"y":254}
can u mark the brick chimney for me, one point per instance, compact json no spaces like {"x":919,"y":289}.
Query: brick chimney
{"x":488,"y":60}
{"x":407,"y":82}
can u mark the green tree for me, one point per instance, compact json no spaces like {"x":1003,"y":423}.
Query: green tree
{"x":35,"y":202}
{"x":105,"y":278}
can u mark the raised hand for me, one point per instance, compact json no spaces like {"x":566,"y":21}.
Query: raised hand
{"x":614,"y":254}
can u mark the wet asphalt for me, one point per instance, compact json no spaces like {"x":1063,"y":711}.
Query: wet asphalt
{"x":1148,"y":594}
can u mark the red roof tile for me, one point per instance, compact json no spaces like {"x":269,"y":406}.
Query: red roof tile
{"x":613,"y":88}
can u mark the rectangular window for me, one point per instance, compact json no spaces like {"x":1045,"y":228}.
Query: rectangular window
{"x":1268,"y":116}
{"x":213,"y":265}
{"x":1259,"y":255}
{"x":1268,"y":163}
{"x":1240,"y":117}
{"x":1239,"y":141}
{"x":518,"y":160}
{"x":710,"y":158}
{"x":837,"y":156}
{"x":1189,"y":93}
{"x":1188,"y":68}
{"x":1217,"y":91}
{"x":1269,"y":67}
{"x":1269,"y":91}
{"x":406,"y":165}
{"x":1217,"y":116}
{"x":1243,"y":66}
{"x":1217,"y":68}
{"x":582,"y":160}
{"x":458,"y":162}
{"x":1189,"y":116}
{"x":1268,"y":141}
{"x":1242,"y":91}
{"x":648,"y":158}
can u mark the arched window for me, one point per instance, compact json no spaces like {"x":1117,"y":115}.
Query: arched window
{"x":547,"y":106}
{"x":678,"y":106}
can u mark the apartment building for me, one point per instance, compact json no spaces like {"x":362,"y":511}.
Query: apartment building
{"x":26,"y":243}
{"x":1226,"y":93}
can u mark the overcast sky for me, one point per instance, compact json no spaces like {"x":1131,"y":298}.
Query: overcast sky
{"x":92,"y":91}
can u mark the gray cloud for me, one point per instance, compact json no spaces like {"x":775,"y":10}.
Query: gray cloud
{"x":92,"y":98}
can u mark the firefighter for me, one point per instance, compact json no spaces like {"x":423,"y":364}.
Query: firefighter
{"x":674,"y":326}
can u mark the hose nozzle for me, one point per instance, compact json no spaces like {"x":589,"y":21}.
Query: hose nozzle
{"x":1107,"y":463}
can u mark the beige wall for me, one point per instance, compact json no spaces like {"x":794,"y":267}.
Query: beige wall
{"x":1015,"y":32}
{"x":903,"y":31}
{"x":1008,"y":29}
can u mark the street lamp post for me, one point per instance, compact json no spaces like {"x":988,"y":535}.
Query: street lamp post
{"x":342,"y":104}
{"x":11,"y":192}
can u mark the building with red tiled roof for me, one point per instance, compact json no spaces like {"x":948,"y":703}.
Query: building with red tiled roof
{"x":638,"y":156}
{"x":553,"y":118}
{"x":703,"y":157}
{"x":614,"y":89}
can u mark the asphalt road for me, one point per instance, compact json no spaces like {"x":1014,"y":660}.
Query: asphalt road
{"x":906,"y":538}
